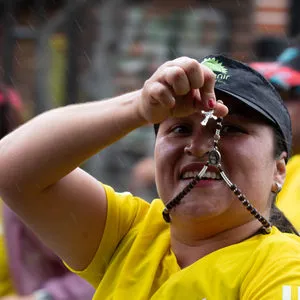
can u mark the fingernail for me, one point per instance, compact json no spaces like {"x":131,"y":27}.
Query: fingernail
{"x":211,"y":103}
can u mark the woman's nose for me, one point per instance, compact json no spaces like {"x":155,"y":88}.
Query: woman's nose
{"x":199,"y":147}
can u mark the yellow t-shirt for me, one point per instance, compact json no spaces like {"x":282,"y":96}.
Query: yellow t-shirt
{"x":134,"y":261}
{"x":6,"y":285}
{"x":288,"y":200}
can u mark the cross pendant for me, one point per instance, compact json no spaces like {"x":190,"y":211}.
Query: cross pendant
{"x":208,"y":115}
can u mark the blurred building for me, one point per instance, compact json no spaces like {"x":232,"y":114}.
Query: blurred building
{"x":59,"y":52}
{"x":156,"y":30}
{"x":36,"y":37}
{"x":147,"y":33}
{"x":271,"y":17}
{"x":272,"y":25}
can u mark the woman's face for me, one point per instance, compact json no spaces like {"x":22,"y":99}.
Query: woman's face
{"x":247,"y":149}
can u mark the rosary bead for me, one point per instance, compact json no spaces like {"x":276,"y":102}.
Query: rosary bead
{"x":219,"y":126}
{"x":268,"y":229}
{"x":245,"y":202}
{"x":249,"y":207}
{"x":217,"y":137}
{"x":241,"y":197}
{"x":237,"y":191}
{"x":166,"y":215}
{"x":172,"y":204}
{"x":193,"y":183}
{"x":265,"y":222}
{"x":183,"y":193}
{"x":233,"y":187}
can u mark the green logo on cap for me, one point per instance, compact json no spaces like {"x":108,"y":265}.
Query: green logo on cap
{"x":217,"y":67}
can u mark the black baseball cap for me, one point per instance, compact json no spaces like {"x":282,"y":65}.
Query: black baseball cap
{"x":245,"y":84}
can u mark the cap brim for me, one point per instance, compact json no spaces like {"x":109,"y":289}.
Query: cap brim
{"x":249,"y":87}
{"x":250,"y":104}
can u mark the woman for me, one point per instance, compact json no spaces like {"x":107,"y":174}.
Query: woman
{"x":284,"y":74}
{"x":28,"y":269}
{"x":212,"y":247}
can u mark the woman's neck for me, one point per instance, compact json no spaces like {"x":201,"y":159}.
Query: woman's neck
{"x":188,"y":248}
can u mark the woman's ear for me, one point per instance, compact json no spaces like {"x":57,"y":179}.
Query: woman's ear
{"x":280,"y":169}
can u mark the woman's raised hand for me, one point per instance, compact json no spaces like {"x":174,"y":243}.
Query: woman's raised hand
{"x":179,"y":88}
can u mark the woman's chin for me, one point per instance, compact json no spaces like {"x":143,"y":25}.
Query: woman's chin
{"x":203,"y":210}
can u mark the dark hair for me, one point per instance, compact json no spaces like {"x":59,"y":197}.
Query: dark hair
{"x":277,"y":217}
{"x":156,"y":126}
{"x":3,"y":121}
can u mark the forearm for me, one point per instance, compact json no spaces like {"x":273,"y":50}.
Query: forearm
{"x":56,"y":142}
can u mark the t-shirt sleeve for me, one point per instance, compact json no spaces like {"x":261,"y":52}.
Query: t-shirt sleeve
{"x":274,"y":275}
{"x":124,"y":213}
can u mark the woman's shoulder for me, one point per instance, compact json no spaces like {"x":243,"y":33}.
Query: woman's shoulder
{"x":280,"y":243}
{"x":273,"y":267}
{"x":126,"y":203}
{"x":128,"y":196}
{"x":266,"y":247}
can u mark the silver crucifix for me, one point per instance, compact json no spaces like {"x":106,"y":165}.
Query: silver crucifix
{"x":208,"y":115}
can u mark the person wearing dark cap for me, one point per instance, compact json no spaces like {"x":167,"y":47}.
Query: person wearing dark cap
{"x":284,"y":74}
{"x":218,"y":167}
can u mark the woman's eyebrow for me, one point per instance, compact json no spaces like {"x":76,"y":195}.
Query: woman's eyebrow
{"x":244,"y":116}
{"x":238,"y":113}
{"x":242,"y":111}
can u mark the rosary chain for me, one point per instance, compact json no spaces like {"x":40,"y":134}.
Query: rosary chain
{"x":214,"y":159}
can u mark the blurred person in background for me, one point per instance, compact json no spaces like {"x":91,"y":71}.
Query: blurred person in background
{"x":142,"y":176}
{"x":28,"y":269}
{"x":125,"y":164}
{"x":284,"y":74}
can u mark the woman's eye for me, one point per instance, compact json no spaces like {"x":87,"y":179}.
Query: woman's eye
{"x":181,"y":129}
{"x":231,"y":129}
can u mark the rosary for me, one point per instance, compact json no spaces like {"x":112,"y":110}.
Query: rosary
{"x":214,"y":159}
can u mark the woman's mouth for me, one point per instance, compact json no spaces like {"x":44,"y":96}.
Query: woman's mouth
{"x":208,"y":175}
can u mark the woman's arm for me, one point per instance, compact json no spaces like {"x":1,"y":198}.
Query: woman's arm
{"x":39,"y":161}
{"x":64,"y":205}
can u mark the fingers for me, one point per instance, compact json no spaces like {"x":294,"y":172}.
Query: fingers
{"x":159,"y":93}
{"x":184,"y":74}
{"x":220,"y":109}
{"x":180,"y":87}
{"x":207,"y":91}
{"x":193,"y":70}
{"x":178,"y":80}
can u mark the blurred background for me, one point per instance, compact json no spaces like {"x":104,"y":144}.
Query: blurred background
{"x":58,"y":52}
